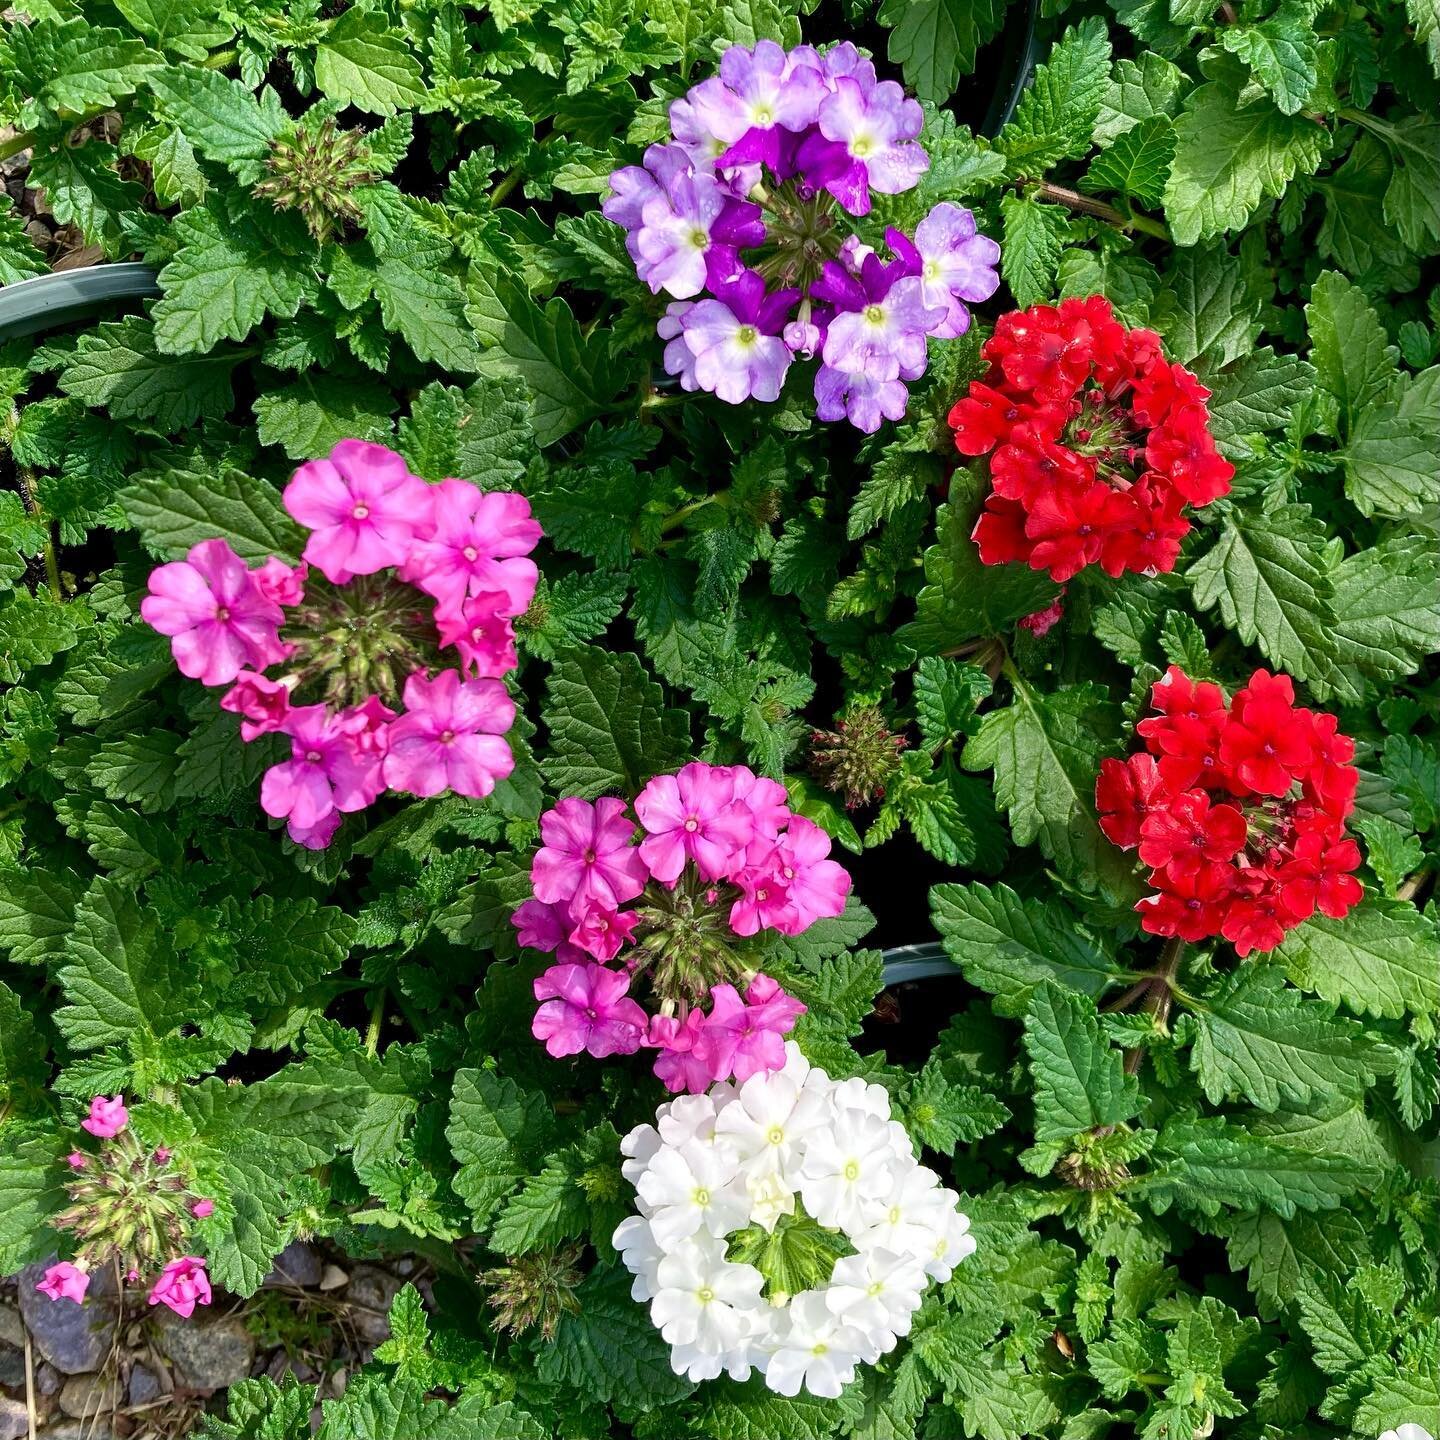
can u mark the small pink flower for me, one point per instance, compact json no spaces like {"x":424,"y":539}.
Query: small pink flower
{"x":77,"y":1160}
{"x":183,"y":1284}
{"x":282,"y":583}
{"x":587,"y":855}
{"x":744,"y":1037}
{"x":107,"y":1117}
{"x":693,"y":816}
{"x":475,"y":547}
{"x":680,"y":1065}
{"x":817,"y":887}
{"x":263,"y":702}
{"x":317,"y":836}
{"x":328,"y":770}
{"x":203,"y":1209}
{"x":603,"y":932}
{"x":218,"y":619}
{"x":479,"y":628}
{"x":451,"y":736}
{"x":363,"y":507}
{"x":767,"y":800}
{"x":764,"y":902}
{"x":585,"y":1009}
{"x":161,"y":1155}
{"x":541,"y":926}
{"x":64,"y":1282}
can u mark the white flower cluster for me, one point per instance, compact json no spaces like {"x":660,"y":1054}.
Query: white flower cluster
{"x":1408,"y":1432}
{"x":738,"y":1155}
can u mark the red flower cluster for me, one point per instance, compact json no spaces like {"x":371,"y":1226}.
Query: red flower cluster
{"x":1100,"y":442}
{"x":1239,"y":811}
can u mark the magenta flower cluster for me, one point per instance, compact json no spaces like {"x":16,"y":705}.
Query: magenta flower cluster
{"x":182,"y":1283}
{"x":718,"y":857}
{"x":411,"y":571}
{"x":745,"y":207}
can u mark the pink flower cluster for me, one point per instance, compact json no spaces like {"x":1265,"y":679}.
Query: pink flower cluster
{"x":439,"y":568}
{"x":718,"y":857}
{"x":182,"y":1283}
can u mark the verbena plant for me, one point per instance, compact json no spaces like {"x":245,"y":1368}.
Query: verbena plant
{"x":1201,"y":1187}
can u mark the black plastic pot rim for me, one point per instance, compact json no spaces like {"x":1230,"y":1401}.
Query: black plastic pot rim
{"x":906,"y":963}
{"x":50,"y":301}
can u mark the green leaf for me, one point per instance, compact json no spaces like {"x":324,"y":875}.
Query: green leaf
{"x":1080,"y":1079}
{"x":570,"y":378}
{"x":1389,"y":461}
{"x":116,"y":367}
{"x":1210,"y":1163}
{"x":1140,"y":89}
{"x":947,"y":696}
{"x":1268,"y":576}
{"x":495,"y":1128}
{"x":934,"y":41}
{"x":1382,"y":959}
{"x":314,"y":413}
{"x":1286,"y":1257}
{"x":1057,"y":114}
{"x":610,"y":1349}
{"x":1045,"y":752}
{"x":1233,"y":148}
{"x":177,"y":507}
{"x":1387,"y":621}
{"x":223,"y":279}
{"x":1009,"y":946}
{"x":962,"y":598}
{"x":1349,"y":349}
{"x":1259,"y":392}
{"x":120,"y":974}
{"x":1257,"y":1038}
{"x":185,"y":27}
{"x":1034,"y":234}
{"x":72,"y":67}
{"x":37,"y":910}
{"x":420,"y":299}
{"x":33,"y":632}
{"x":84,"y":189}
{"x":1137,"y":163}
{"x":1281,"y":52}
{"x":548,"y":1208}
{"x":221,"y":118}
{"x":795,"y":1255}
{"x":609,"y":727}
{"x":1412,"y":201}
{"x":1208,"y":311}
{"x":364,"y":63}
{"x":941,"y":1114}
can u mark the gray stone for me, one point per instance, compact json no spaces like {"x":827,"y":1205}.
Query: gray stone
{"x":48,"y":1379}
{"x":87,"y":1396}
{"x":144,"y":1385}
{"x":12,"y":1332}
{"x":297,"y":1264}
{"x":207,"y":1355}
{"x":369,"y":1295}
{"x":14,"y":1419}
{"x":73,"y":1338}
{"x":12,"y":1365}
{"x":78,"y":1430}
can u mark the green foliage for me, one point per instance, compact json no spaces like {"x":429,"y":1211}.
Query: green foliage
{"x":338,"y":1043}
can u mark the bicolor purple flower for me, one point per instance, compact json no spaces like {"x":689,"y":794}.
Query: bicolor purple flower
{"x":865,"y":143}
{"x":881,"y":321}
{"x":954,"y":264}
{"x":757,"y":94}
{"x":735,"y":340}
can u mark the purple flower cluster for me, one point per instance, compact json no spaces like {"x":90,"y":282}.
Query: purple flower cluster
{"x":740,"y":219}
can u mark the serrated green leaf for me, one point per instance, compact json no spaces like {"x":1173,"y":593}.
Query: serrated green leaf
{"x":364,"y":63}
{"x":1080,"y":1079}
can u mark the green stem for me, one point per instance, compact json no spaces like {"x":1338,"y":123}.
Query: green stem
{"x":1088,"y":205}
{"x":372,"y":1030}
{"x":680,"y":516}
{"x":506,"y":184}
{"x":1159,"y":996}
{"x":25,"y":478}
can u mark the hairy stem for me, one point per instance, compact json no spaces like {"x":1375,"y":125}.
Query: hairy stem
{"x":1088,"y":205}
{"x":1159,"y":993}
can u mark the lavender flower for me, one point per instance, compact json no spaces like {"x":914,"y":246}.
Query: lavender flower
{"x":735,"y":342}
{"x":743,"y":213}
{"x":954,"y":263}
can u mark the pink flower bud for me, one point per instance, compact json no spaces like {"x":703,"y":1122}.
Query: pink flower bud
{"x":77,"y":1159}
{"x":202,"y":1209}
{"x":162,"y":1155}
